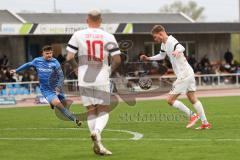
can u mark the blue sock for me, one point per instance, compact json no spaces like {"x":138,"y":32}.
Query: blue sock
{"x":67,"y":113}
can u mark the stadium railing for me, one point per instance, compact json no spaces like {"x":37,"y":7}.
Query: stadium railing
{"x":126,"y":84}
{"x":164,"y":83}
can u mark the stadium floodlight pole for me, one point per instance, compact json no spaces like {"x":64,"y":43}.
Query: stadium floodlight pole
{"x":239,"y":11}
{"x":54,"y":6}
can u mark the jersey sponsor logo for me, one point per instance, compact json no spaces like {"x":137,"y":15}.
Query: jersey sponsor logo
{"x":45,"y":69}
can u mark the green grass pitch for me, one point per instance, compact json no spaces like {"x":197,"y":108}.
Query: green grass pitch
{"x":36,"y":134}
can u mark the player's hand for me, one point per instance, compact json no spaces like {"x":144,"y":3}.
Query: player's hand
{"x":176,"y":53}
{"x":144,"y":58}
{"x":12,"y":71}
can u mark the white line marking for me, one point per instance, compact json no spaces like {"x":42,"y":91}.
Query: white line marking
{"x":190,"y":139}
{"x":12,"y":129}
{"x":59,"y":139}
{"x":136,"y":135}
{"x":121,"y":139}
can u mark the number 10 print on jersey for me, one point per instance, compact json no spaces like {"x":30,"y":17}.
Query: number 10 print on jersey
{"x":94,"y":47}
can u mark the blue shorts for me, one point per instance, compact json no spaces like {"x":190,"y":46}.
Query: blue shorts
{"x":50,"y":96}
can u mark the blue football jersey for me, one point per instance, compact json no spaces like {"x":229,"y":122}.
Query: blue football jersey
{"x":49,"y":72}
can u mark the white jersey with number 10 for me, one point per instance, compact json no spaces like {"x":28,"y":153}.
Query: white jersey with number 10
{"x":94,"y":46}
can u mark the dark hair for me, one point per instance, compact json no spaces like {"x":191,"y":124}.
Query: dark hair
{"x":157,"y":29}
{"x":47,"y":48}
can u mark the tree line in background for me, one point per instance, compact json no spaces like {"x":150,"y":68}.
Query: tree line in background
{"x":190,"y":8}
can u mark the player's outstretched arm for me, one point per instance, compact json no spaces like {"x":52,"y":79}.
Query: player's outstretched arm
{"x":178,"y":49}
{"x":157,"y":57}
{"x":23,"y":67}
{"x":144,"y":58}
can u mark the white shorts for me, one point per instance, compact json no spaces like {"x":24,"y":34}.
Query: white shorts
{"x":183,"y":85}
{"x":93,"y":95}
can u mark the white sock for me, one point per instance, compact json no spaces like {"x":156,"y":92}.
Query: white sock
{"x":199,"y":108}
{"x":101,"y":121}
{"x":91,"y":120}
{"x":179,"y":105}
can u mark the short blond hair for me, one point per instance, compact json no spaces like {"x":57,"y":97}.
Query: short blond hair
{"x":94,"y":15}
{"x":157,"y":29}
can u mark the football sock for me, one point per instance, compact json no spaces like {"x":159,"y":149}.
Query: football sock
{"x":179,"y":105}
{"x":66,"y":113}
{"x":101,"y":121}
{"x":199,"y":108}
{"x":91,"y":120}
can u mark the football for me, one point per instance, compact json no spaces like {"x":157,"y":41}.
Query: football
{"x":145,"y":83}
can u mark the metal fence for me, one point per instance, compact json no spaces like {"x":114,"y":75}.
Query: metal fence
{"x":127,"y":84}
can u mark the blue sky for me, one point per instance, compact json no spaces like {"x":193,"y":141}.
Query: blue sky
{"x":215,"y":10}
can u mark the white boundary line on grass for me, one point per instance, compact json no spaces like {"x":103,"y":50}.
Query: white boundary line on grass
{"x":193,"y":139}
{"x":136,"y":135}
{"x":119,"y":139}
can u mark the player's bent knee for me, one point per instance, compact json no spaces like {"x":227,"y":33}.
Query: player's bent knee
{"x":170,"y":101}
{"x":91,"y":110}
{"x":193,"y":101}
{"x":55,"y":102}
{"x":103,"y":108}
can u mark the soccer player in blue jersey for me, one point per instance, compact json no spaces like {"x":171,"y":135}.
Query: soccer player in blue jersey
{"x":51,"y":79}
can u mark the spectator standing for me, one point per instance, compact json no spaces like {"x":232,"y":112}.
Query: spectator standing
{"x":228,"y":56}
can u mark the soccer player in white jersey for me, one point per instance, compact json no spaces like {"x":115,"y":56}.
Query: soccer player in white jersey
{"x":185,"y":82}
{"x":94,"y":47}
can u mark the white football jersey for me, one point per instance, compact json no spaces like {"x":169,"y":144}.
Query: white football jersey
{"x":180,"y":65}
{"x":94,"y":46}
